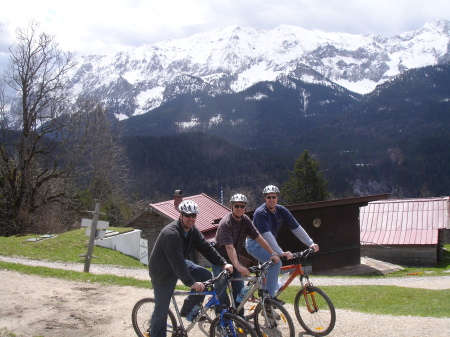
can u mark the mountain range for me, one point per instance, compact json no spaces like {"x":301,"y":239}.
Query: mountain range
{"x":373,"y":110}
{"x":233,"y":59}
{"x":393,"y":140}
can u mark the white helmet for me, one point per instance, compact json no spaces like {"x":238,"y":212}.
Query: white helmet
{"x":188,"y":207}
{"x":238,"y":198}
{"x":271,"y":189}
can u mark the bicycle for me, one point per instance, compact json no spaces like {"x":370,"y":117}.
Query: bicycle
{"x":224,"y":323}
{"x":274,"y":319}
{"x":313,"y":308}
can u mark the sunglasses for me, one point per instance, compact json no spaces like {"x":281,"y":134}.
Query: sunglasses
{"x":190,"y":215}
{"x":271,"y":197}
{"x":239,"y":206}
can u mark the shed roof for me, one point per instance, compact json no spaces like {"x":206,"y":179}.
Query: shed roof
{"x":210,"y":209}
{"x":404,"y":221}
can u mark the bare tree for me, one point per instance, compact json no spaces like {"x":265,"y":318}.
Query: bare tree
{"x":34,"y":127}
{"x":104,"y":168}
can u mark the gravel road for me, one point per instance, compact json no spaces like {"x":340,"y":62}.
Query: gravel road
{"x":37,"y":306}
{"x":425,"y":282}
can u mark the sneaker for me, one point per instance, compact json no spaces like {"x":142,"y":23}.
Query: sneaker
{"x":276,"y":299}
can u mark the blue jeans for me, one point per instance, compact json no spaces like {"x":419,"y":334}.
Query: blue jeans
{"x":235,"y":285}
{"x":163,"y":294}
{"x":262,"y":255}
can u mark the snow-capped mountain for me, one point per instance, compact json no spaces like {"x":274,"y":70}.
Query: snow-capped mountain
{"x":232,"y":59}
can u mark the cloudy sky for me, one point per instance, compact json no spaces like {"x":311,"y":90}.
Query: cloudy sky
{"x":104,"y":27}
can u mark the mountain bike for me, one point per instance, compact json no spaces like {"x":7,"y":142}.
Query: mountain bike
{"x":313,"y":308}
{"x":222,"y":322}
{"x":269,"y":316}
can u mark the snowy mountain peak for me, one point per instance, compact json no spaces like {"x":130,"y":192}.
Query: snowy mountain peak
{"x":233,"y":58}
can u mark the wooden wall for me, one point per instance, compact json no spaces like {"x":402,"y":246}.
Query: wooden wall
{"x":406,"y":255}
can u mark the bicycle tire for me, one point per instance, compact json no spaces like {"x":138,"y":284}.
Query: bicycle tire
{"x":281,"y":325}
{"x":250,"y":306}
{"x":321,"y":321}
{"x":141,"y":316}
{"x":237,"y":322}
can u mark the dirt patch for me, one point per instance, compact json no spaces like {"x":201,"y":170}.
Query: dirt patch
{"x":37,"y":306}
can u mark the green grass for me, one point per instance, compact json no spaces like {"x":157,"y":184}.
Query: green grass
{"x":66,"y":247}
{"x":384,"y":300}
{"x":4,"y":332}
{"x":103,"y":279}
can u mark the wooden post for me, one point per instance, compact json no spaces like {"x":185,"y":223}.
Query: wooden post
{"x":88,"y":256}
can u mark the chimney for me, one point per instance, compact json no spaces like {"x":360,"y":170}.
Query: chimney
{"x":177,"y":198}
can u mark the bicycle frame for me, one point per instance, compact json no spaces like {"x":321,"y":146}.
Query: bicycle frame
{"x":210,"y":304}
{"x":258,"y":284}
{"x":298,"y":271}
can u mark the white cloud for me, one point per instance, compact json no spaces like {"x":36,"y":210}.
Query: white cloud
{"x":104,"y":27}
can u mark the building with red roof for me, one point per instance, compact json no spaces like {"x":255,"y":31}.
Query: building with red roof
{"x":152,"y":220}
{"x":406,"y":231}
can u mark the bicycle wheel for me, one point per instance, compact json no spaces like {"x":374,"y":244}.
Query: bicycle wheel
{"x":250,"y":306}
{"x":314,"y":311}
{"x":234,"y":325}
{"x":279,"y":321}
{"x":142,"y":314}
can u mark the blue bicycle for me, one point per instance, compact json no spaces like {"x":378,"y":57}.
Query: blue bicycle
{"x":222,"y":322}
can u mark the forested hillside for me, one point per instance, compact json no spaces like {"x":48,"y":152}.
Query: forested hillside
{"x":198,"y":163}
{"x":395,"y":140}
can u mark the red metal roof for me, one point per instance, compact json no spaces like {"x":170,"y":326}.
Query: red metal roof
{"x":210,"y":210}
{"x":404,"y":221}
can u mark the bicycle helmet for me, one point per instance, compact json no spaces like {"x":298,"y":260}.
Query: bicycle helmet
{"x":188,"y":207}
{"x":238,"y":198}
{"x":271,"y":189}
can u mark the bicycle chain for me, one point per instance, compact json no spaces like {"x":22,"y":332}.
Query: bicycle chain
{"x":180,"y":332}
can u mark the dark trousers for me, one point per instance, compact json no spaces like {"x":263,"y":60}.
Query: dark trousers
{"x":236,"y":286}
{"x":163,"y":294}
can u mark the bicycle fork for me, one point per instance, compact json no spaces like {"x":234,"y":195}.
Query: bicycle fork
{"x":310,"y":299}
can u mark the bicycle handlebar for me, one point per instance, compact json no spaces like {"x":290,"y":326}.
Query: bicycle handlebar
{"x":299,"y":255}
{"x":210,"y":283}
{"x":262,"y":267}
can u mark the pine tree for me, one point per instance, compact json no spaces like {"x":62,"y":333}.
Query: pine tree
{"x":306,"y":182}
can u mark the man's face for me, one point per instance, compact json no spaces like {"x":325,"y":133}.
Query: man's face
{"x":238,"y":209}
{"x":188,"y":220}
{"x":271,"y":200}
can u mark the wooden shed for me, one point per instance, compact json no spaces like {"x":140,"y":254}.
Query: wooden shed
{"x":409,"y":232}
{"x":333,"y":225}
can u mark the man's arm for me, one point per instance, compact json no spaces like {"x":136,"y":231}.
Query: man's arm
{"x":174,"y":253}
{"x":268,"y":236}
{"x":301,"y":234}
{"x":263,"y":243}
{"x":235,"y":261}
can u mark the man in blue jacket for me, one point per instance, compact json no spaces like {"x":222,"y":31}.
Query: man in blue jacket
{"x":168,"y":263}
{"x":268,"y":219}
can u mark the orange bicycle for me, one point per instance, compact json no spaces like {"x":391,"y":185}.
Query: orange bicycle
{"x":313,"y":308}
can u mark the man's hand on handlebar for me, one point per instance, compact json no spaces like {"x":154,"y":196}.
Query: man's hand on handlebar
{"x":315,"y":247}
{"x":244,"y":271}
{"x":228,"y":267}
{"x":288,"y":255}
{"x":198,"y":286}
{"x":275,"y":258}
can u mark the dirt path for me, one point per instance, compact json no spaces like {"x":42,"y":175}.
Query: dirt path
{"x":37,"y":306}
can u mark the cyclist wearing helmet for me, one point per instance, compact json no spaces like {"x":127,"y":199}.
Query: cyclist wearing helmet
{"x":168,"y":263}
{"x":231,"y":233}
{"x":268,"y":219}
